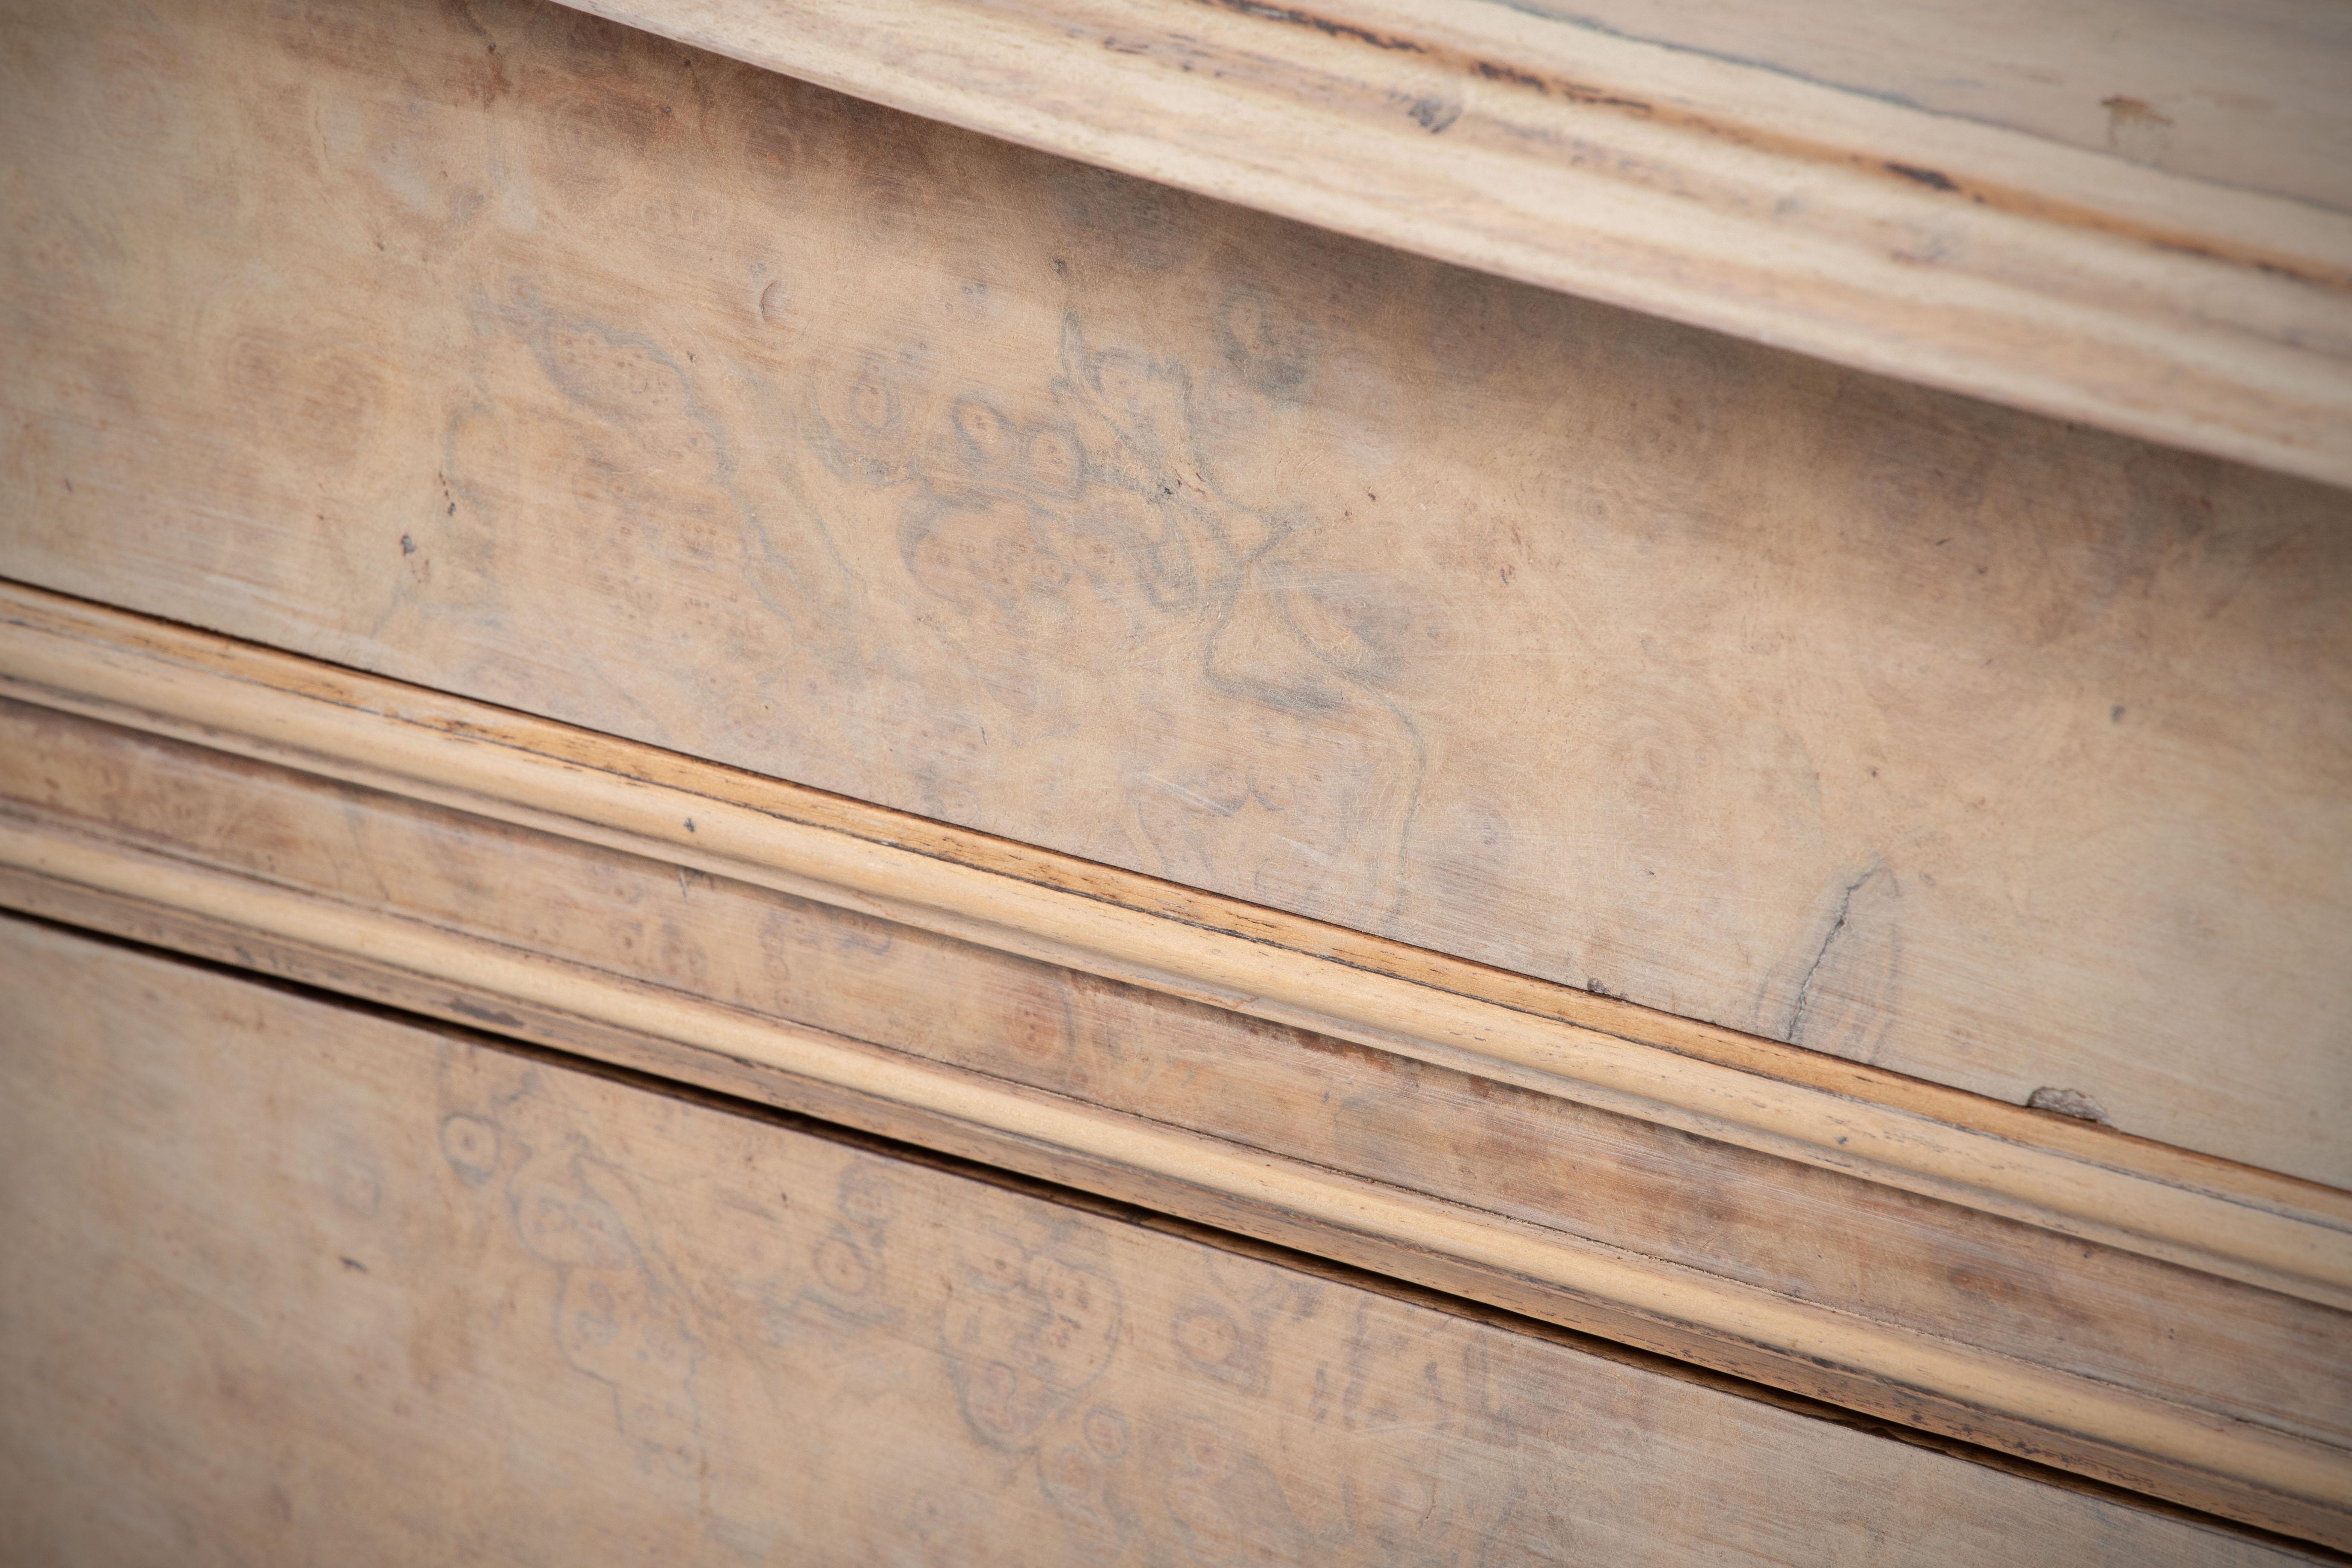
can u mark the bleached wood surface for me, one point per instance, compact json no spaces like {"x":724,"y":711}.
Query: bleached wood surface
{"x":556,"y":366}
{"x":290,"y":1282}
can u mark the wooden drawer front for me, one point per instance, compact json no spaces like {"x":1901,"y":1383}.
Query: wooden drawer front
{"x":290,"y":1281}
{"x":526,"y":357}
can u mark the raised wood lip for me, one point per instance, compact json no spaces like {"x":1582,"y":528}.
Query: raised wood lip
{"x":2275,"y":1231}
{"x":1861,"y":230}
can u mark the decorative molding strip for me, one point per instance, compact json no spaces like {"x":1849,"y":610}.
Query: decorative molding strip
{"x":2213,"y":1447}
{"x":1839,"y":221}
{"x":2077,"y":1178}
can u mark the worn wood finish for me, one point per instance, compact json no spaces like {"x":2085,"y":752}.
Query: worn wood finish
{"x":1983,"y":749}
{"x":1808,"y":1278}
{"x":2130,"y":213}
{"x":292,"y":1281}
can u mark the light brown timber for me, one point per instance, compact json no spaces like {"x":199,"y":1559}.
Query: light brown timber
{"x":293,"y":1280}
{"x":520,"y":355}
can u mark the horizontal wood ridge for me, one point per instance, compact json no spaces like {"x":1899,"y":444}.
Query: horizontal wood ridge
{"x":2269,"y":1230}
{"x":1986,"y":258}
{"x":1047,"y":1015}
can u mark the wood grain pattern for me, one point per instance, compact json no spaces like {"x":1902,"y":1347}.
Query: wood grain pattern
{"x":294,"y":1282}
{"x":1994,"y":751}
{"x":1777,"y":170}
{"x":1814,"y":1280}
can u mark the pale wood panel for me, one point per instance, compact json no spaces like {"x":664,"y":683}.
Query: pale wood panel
{"x":2003,"y":753}
{"x":294,"y":1283}
{"x":2197,"y":1346}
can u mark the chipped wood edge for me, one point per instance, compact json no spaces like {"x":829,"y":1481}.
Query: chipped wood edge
{"x":2075,"y":1178}
{"x":1965,"y":256}
{"x":2240,"y":1469}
